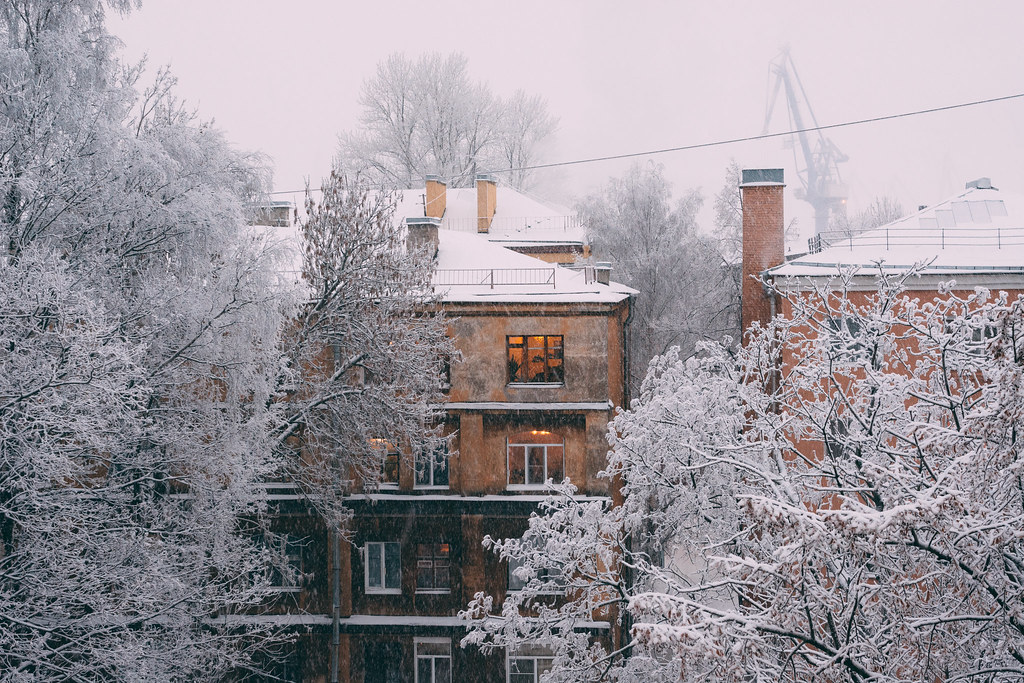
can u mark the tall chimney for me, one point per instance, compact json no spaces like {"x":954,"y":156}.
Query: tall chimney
{"x":421,"y":234}
{"x":763,"y":239}
{"x":436,"y":200}
{"x":486,"y":201}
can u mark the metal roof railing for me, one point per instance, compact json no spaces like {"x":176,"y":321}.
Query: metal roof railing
{"x":492,"y":277}
{"x":942,"y":237}
{"x":515,"y":223}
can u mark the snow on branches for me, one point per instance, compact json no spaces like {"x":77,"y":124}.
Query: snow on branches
{"x":852,"y":513}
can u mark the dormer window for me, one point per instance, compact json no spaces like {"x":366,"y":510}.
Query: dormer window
{"x":535,"y":359}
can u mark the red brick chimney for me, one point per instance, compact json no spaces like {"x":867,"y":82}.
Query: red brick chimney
{"x":763,"y":239}
{"x":436,"y":200}
{"x":486,"y":201}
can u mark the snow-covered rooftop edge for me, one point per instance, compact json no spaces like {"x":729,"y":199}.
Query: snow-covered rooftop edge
{"x":978,"y":231}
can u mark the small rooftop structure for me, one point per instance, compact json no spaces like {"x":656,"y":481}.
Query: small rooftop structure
{"x":979,"y":231}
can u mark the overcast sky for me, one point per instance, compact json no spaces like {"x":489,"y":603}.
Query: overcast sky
{"x":284,"y":78}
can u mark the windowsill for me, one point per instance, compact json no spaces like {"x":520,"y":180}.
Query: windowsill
{"x":536,"y":385}
{"x":383,"y":591}
{"x":283,"y":589}
{"x":528,"y":487}
{"x":430,"y":488}
{"x":433,"y":592}
{"x":388,"y":487}
{"x":539,"y":592}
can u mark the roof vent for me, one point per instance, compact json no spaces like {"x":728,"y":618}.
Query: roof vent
{"x":980,"y":184}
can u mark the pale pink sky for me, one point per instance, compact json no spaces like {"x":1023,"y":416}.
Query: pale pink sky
{"x":284,"y":78}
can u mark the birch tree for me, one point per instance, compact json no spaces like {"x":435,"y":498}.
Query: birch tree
{"x":854,"y":517}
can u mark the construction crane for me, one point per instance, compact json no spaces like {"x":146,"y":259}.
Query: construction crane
{"x":818,"y":171}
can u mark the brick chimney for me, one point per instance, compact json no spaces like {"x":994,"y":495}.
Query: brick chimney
{"x":763,"y":239}
{"x":486,"y":201}
{"x":436,"y":200}
{"x":421,"y":233}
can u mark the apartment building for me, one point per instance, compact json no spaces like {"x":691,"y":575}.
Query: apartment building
{"x":540,"y":368}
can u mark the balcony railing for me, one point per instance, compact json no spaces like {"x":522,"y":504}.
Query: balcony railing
{"x":492,"y":277}
{"x":511,"y":224}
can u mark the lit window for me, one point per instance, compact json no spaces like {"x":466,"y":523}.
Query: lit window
{"x":432,"y":467}
{"x":433,"y":568}
{"x":534,"y":457}
{"x":383,"y":568}
{"x":528,"y":664}
{"x":433,"y":660}
{"x":535,"y":359}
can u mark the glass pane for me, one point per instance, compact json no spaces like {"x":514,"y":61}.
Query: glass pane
{"x":555,"y":359}
{"x":535,"y":464}
{"x":516,"y":465}
{"x":392,"y":566}
{"x":556,"y":464}
{"x":390,"y":468}
{"x":423,"y":670}
{"x":442,"y":574}
{"x":535,"y":359}
{"x":373,"y":568}
{"x":433,"y":649}
{"x":521,"y":665}
{"x":423,"y":470}
{"x":442,"y":670}
{"x":424,"y":574}
{"x":441,"y":470}
{"x":514,"y":582}
{"x":544,"y":665}
{"x":443,"y":550}
{"x":516,"y":360}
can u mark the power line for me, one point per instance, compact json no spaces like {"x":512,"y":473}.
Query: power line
{"x":749,"y":138}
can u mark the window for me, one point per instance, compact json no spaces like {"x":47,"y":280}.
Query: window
{"x":533,"y":458}
{"x":432,"y":467}
{"x":847,"y":338}
{"x":285,"y":567}
{"x":433,"y":568}
{"x":550,"y":577}
{"x":528,"y":663}
{"x":383,"y":568}
{"x":433,"y":660}
{"x":390,"y":459}
{"x":535,"y":359}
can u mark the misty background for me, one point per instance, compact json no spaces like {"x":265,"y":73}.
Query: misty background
{"x":284,"y":78}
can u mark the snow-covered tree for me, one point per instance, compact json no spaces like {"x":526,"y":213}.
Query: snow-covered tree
{"x":429,"y":117}
{"x":687,"y":291}
{"x":139,"y":328}
{"x":367,"y":351}
{"x":841,"y":502}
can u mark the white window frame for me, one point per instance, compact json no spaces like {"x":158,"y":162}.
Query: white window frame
{"x":527,"y":485}
{"x":433,"y":667}
{"x":383,"y":589}
{"x":549,"y":574}
{"x":420,"y":455}
{"x":534,"y":657}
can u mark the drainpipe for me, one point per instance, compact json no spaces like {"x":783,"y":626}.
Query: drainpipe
{"x":336,"y":604}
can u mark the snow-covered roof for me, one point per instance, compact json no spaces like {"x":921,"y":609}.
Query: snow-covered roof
{"x":979,"y":231}
{"x":518,"y":219}
{"x":471,"y":269}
